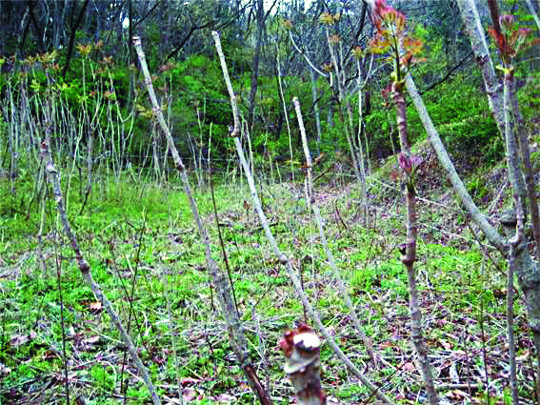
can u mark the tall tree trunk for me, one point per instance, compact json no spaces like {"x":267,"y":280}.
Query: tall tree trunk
{"x":35,"y":23}
{"x":131,"y":54}
{"x":59,"y":22}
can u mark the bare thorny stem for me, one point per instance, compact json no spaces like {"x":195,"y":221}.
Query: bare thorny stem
{"x":131,"y":295}
{"x":225,"y":297}
{"x":84,"y":267}
{"x":174,"y":335}
{"x":221,"y":243}
{"x":409,"y":256}
{"x":517,"y":239}
{"x":528,"y":273}
{"x":62,"y":322}
{"x":283,"y":259}
{"x":318,"y":219}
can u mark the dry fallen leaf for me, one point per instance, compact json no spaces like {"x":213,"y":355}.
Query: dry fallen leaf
{"x":188,"y":381}
{"x":49,"y":355}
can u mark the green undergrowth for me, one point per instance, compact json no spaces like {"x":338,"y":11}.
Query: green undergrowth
{"x":141,"y":241}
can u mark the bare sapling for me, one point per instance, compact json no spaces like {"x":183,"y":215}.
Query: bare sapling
{"x":173,"y":333}
{"x":12,"y":144}
{"x":302,"y":350}
{"x":360,"y":55}
{"x":393,"y":39}
{"x":516,"y":180}
{"x":510,"y":40}
{"x":330,"y":256}
{"x":316,"y":111}
{"x":283,"y":259}
{"x":473,"y":27}
{"x":527,"y":270}
{"x":53,"y":176}
{"x":85,"y":51}
{"x":333,"y":41}
{"x":85,"y":269}
{"x":285,"y":113}
{"x":237,"y":338}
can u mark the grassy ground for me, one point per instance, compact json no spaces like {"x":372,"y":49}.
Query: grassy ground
{"x":145,"y":252}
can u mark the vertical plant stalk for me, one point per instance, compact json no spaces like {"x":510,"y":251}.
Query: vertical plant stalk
{"x":318,"y":219}
{"x":475,"y":31}
{"x":409,"y":256}
{"x":361,"y":128}
{"x":514,"y":174}
{"x":510,"y":324}
{"x":85,"y":270}
{"x":316,"y":111}
{"x":90,"y":128}
{"x":285,"y":113}
{"x":302,"y":350}
{"x":221,"y":243}
{"x":483,"y":335}
{"x":62,"y":322}
{"x":348,"y":124}
{"x":528,"y":271}
{"x":361,"y":123}
{"x":444,"y":159}
{"x":529,"y":278}
{"x":174,"y":336}
{"x":358,"y":160}
{"x":12,"y":144}
{"x":528,"y":170}
{"x":225,"y":297}
{"x":513,"y":160}
{"x":283,"y":259}
{"x":131,"y":298}
{"x":43,"y":204}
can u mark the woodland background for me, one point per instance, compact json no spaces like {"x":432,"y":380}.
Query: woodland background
{"x":204,"y":314}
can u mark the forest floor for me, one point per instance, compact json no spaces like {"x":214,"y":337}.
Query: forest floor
{"x":145,"y":253}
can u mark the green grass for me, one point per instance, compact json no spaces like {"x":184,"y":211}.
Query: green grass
{"x":134,"y":238}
